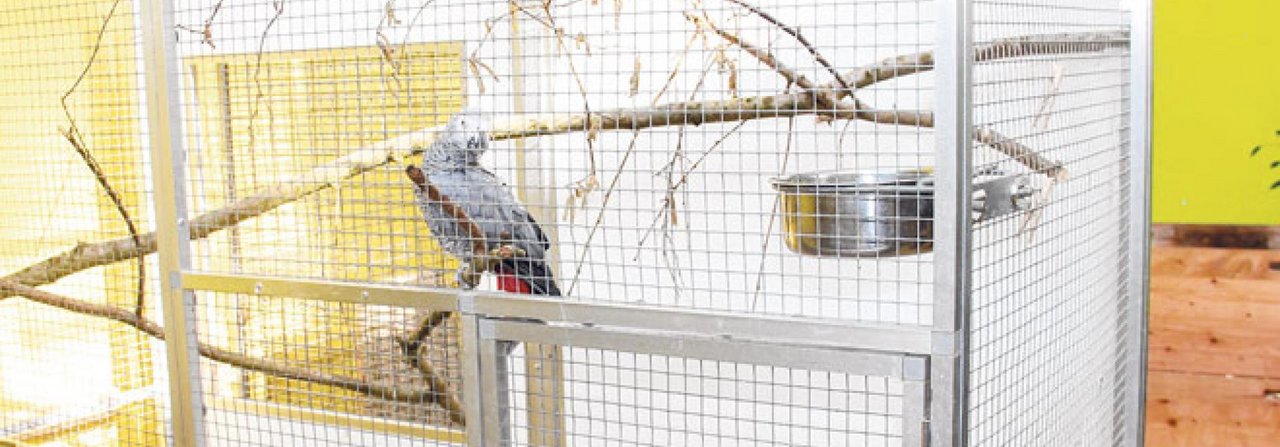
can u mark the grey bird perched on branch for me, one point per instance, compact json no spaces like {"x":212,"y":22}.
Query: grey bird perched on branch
{"x":461,"y":199}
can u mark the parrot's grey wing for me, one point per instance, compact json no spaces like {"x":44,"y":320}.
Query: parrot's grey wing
{"x":490,"y":204}
{"x":448,"y":232}
{"x":492,"y":207}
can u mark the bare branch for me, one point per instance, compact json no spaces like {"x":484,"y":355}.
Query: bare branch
{"x":92,"y":162}
{"x":395,"y":150}
{"x":440,"y":396}
{"x":760,"y":54}
{"x":76,"y":139}
{"x":206,"y":30}
{"x":278,"y":6}
{"x":1008,"y":146}
{"x":1008,"y":48}
{"x":626,"y":156}
{"x":795,"y":33}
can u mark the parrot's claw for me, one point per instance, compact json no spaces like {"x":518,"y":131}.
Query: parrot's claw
{"x":469,"y":273}
{"x":508,"y":252}
{"x":468,"y":278}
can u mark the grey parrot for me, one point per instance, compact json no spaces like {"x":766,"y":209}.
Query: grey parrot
{"x":452,"y":166}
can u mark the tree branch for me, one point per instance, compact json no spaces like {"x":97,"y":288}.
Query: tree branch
{"x":795,"y":33}
{"x":441,"y":396}
{"x":85,"y":256}
{"x":73,"y":137}
{"x":1017,"y":151}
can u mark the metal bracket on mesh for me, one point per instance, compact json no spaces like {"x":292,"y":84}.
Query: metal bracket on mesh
{"x":1002,"y":195}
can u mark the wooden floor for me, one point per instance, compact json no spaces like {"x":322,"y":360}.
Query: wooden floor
{"x":1214,"y":375}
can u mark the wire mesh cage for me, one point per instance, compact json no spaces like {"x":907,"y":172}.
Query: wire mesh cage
{"x":577,"y":222}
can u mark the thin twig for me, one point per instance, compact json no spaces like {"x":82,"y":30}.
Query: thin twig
{"x":684,"y":177}
{"x":76,"y":139}
{"x":669,"y":168}
{"x":773,"y":216}
{"x":577,"y":79}
{"x":440,"y":396}
{"x":206,"y":30}
{"x":795,"y":33}
{"x":278,"y":5}
{"x":626,"y":156}
{"x":89,"y":160}
{"x":404,"y":41}
{"x":384,"y":44}
{"x":760,"y":54}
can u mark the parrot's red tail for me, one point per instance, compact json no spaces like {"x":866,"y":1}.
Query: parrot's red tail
{"x":510,"y":283}
{"x":530,"y":277}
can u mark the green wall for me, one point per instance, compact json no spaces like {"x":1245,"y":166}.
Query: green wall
{"x":1217,"y":97}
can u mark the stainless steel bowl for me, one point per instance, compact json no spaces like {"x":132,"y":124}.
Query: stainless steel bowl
{"x":858,"y":214}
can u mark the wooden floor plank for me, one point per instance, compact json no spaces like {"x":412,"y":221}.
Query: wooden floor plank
{"x":1215,"y":326}
{"x":1215,"y":262}
{"x":1211,"y":410}
{"x":1214,"y":338}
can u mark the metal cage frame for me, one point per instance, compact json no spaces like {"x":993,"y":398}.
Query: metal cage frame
{"x":931,"y":360}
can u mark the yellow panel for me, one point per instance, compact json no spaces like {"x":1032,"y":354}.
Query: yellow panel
{"x":55,"y":203}
{"x":264,"y":120}
{"x":1217,"y":96}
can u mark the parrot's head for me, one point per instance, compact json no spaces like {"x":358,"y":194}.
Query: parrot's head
{"x":472,"y":128}
{"x":464,"y":139}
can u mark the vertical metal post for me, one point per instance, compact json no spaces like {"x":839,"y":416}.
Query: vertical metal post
{"x":915,"y":371}
{"x":1139,"y":172}
{"x":472,"y":385}
{"x":164,"y":124}
{"x":948,"y":381}
{"x":494,"y":383}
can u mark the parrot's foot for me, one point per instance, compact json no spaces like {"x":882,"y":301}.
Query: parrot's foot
{"x":469,"y":273}
{"x":468,"y":277}
{"x":507,"y":252}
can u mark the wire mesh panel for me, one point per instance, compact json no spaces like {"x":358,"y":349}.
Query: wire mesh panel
{"x":272,"y":91}
{"x":79,"y":358}
{"x":286,"y":371}
{"x":641,"y":390}
{"x":750,"y":167}
{"x":642,"y":137}
{"x":1050,"y":323}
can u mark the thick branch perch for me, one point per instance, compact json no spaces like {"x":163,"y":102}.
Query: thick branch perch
{"x":1008,"y":146}
{"x":828,"y":99}
{"x":86,"y":256}
{"x":442,"y":397}
{"x":1007,"y":48}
